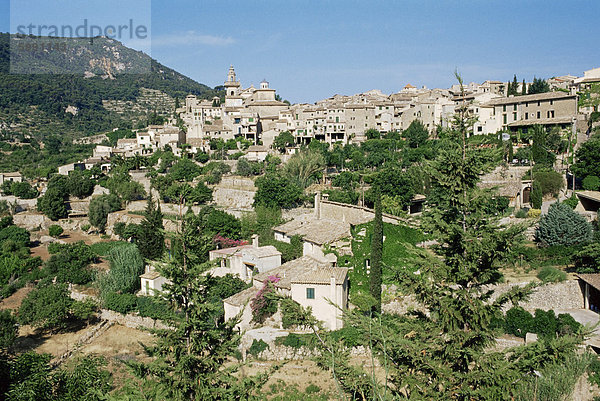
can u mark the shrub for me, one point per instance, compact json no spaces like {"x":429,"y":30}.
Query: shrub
{"x":536,"y":196}
{"x":264,"y":303}
{"x":349,"y":335}
{"x":293,"y":314}
{"x":591,"y":183}
{"x":518,"y":322}
{"x":588,"y":259}
{"x":46,"y":307}
{"x":122,"y":303}
{"x":55,"y":230}
{"x":312,"y":388}
{"x":154,"y":308}
{"x":533,"y":213}
{"x":8,"y":329}
{"x":549,"y":274}
{"x":521,"y":214}
{"x":550,"y":182}
{"x":69,"y":262}
{"x":17,"y":234}
{"x":85,"y":227}
{"x":257,"y":347}
{"x":563,"y":226}
{"x":100,"y":207}
{"x":572,"y":201}
{"x":126,"y":265}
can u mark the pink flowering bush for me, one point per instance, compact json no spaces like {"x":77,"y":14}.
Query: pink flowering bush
{"x":265,"y":302}
{"x":224,"y":242}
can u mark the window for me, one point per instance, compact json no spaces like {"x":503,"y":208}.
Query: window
{"x":310,"y":293}
{"x":515,"y":107}
{"x":504,"y":108}
{"x":539,"y":115}
{"x":479,"y":129}
{"x":551,"y":113}
{"x":539,"y":103}
{"x":515,"y":116}
{"x":251,"y":119}
{"x":527,"y":116}
{"x":504,"y":118}
{"x":551,"y":102}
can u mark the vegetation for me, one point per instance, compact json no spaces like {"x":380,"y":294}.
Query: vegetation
{"x":100,"y":207}
{"x":563,"y":226}
{"x":376,"y":256}
{"x":150,"y":237}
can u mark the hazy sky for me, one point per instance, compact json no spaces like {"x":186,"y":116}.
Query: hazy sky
{"x":309,"y":50}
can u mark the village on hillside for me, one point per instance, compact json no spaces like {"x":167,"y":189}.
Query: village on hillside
{"x":341,"y":235}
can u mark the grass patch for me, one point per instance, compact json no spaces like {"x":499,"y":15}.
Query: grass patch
{"x":104,"y":247}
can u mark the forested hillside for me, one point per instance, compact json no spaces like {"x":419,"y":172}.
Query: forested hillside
{"x":37,"y":103}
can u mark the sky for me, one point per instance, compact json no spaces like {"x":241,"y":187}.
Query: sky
{"x":310,"y":50}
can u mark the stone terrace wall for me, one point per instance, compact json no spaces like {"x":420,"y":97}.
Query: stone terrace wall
{"x":354,"y":214}
{"x":565,"y":295}
{"x":234,"y":192}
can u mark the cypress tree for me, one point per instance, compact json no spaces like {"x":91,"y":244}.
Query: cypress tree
{"x":151,"y":239}
{"x":524,"y":88}
{"x":536,"y":196}
{"x":376,"y":253}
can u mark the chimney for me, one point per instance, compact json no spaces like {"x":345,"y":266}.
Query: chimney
{"x":318,"y":205}
{"x":255,"y":241}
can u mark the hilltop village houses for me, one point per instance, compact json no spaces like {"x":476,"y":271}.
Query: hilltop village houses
{"x":258,"y":115}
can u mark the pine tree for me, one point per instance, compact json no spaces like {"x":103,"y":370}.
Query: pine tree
{"x":189,"y":359}
{"x":442,"y":354}
{"x":376,"y":254}
{"x":563,"y":226}
{"x":151,"y":239}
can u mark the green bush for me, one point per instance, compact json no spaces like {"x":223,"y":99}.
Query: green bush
{"x":293,"y":314}
{"x":126,"y":266}
{"x":518,"y":322}
{"x":349,"y":335}
{"x":549,"y":274}
{"x":55,"y":230}
{"x":550,"y":182}
{"x":69,"y":262}
{"x":572,"y":201}
{"x":257,"y":347}
{"x":521,"y":214}
{"x":122,"y":303}
{"x":312,"y":388}
{"x":153,"y":308}
{"x":8,"y":329}
{"x":104,"y":247}
{"x":563,"y":226}
{"x":591,"y":183}
{"x":587,"y":260}
{"x":46,"y":307}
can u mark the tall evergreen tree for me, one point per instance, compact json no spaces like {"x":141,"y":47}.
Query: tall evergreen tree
{"x":151,"y":238}
{"x":524,"y":88}
{"x":189,"y":358}
{"x":376,"y":254}
{"x":441,"y":354}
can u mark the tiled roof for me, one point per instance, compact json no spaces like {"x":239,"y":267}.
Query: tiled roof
{"x":318,"y":231}
{"x":241,"y":297}
{"x":592,"y":279}
{"x":152,"y":275}
{"x":532,"y":98}
{"x":322,"y":276}
{"x":304,"y":269}
{"x":542,"y":121}
{"x":262,"y":251}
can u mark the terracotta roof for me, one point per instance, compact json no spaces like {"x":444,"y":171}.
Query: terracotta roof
{"x":242,"y":297}
{"x":302,"y":268}
{"x":592,"y":279}
{"x":152,"y":275}
{"x":262,"y":251}
{"x":320,"y":232}
{"x":532,"y":98}
{"x":322,"y":276}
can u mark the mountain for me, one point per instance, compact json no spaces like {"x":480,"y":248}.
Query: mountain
{"x":106,"y":91}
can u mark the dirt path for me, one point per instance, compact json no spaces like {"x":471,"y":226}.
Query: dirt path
{"x":14,"y":301}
